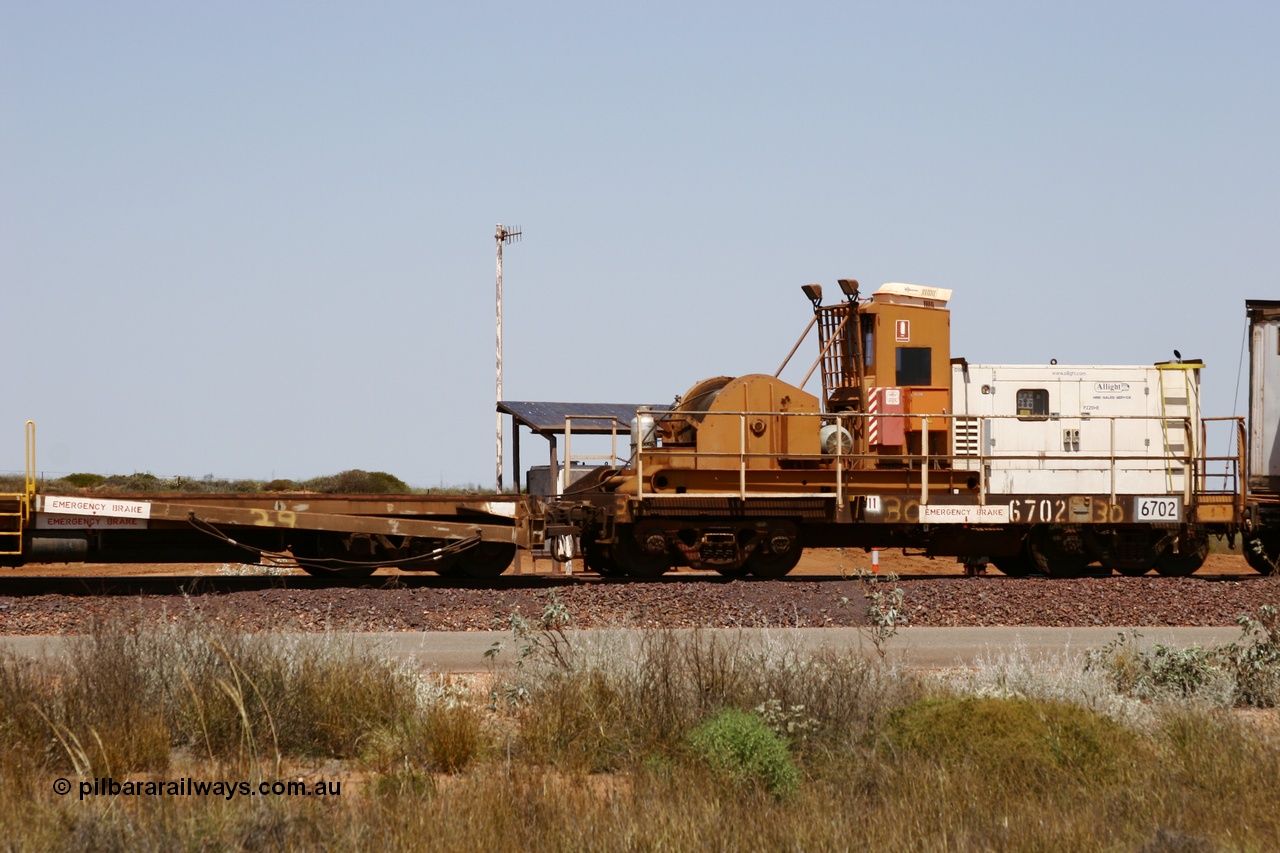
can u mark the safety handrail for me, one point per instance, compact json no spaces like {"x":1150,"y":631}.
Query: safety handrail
{"x":569,"y":458}
{"x":30,"y":482}
{"x":1194,"y":463}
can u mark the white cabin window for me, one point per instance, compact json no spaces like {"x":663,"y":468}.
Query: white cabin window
{"x":1033,"y":403}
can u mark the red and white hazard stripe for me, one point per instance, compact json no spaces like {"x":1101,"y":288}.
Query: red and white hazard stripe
{"x":873,"y":421}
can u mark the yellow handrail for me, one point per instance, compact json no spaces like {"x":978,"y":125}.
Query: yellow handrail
{"x":31,"y":469}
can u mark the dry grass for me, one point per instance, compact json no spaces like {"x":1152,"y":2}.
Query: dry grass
{"x":129,"y":695}
{"x":592,"y":747}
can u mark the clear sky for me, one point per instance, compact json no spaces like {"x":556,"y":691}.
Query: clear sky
{"x":256,"y":239}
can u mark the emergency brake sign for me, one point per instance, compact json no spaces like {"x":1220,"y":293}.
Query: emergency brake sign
{"x":902,"y":331}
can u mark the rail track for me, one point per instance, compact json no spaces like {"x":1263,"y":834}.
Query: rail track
{"x":213,"y":584}
{"x":931,"y":596}
{"x":818,"y":566}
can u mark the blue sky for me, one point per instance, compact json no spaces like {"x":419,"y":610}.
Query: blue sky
{"x":256,"y":239}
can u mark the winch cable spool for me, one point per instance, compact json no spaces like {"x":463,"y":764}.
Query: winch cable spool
{"x":278,"y":557}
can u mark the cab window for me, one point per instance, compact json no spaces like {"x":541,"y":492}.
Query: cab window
{"x":868,"y":341}
{"x":914,"y":366}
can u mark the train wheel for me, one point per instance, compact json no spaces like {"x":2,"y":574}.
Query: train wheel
{"x":1057,"y":553}
{"x":447,"y":566}
{"x":773,"y":566}
{"x":1017,"y":565}
{"x":486,"y":560}
{"x":1261,"y":554}
{"x":778,"y":554}
{"x":1193,"y":548}
{"x":322,"y":556}
{"x":1131,"y":552}
{"x":599,"y":558}
{"x":323,"y":571}
{"x":637,"y":560}
{"x":734,"y":571}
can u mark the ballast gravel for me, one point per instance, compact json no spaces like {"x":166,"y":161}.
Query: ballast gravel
{"x":991,"y":600}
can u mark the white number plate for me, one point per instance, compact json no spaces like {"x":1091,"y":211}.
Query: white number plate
{"x":1157,"y":509}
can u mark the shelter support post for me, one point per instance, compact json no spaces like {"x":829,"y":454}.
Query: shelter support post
{"x":515,"y":453}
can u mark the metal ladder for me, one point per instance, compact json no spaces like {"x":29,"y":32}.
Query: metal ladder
{"x":1178,"y":406}
{"x":15,"y":507}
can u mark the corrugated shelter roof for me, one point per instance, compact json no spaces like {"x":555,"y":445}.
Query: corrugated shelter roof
{"x":598,"y":418}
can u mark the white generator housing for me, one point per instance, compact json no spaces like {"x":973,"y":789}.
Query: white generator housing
{"x":1077,"y":429}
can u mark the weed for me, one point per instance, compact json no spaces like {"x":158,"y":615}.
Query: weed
{"x":126,"y":696}
{"x":404,"y":782}
{"x":791,"y":722}
{"x":1158,"y":672}
{"x":545,"y":643}
{"x":453,"y":736}
{"x":1245,"y":672}
{"x":1254,"y":659}
{"x":885,"y":614}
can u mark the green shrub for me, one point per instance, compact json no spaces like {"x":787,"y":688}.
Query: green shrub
{"x":84,"y":481}
{"x":741,"y":746}
{"x":1045,"y":743}
{"x":382,"y":483}
{"x":1181,"y":670}
{"x":1247,"y":670}
{"x":357,"y":482}
{"x":1254,"y":659}
{"x":1156,"y":672}
{"x":137,"y":482}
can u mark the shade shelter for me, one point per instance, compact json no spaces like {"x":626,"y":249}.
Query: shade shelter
{"x":552,"y":420}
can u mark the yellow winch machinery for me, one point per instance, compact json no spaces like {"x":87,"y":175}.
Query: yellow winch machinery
{"x":885,"y":365}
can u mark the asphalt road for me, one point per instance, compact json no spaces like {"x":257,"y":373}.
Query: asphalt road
{"x":923,"y":648}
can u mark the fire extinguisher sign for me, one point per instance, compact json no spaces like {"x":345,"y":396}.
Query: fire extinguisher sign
{"x":902,"y":331}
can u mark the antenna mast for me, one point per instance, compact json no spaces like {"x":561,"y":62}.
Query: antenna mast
{"x":501,"y":235}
